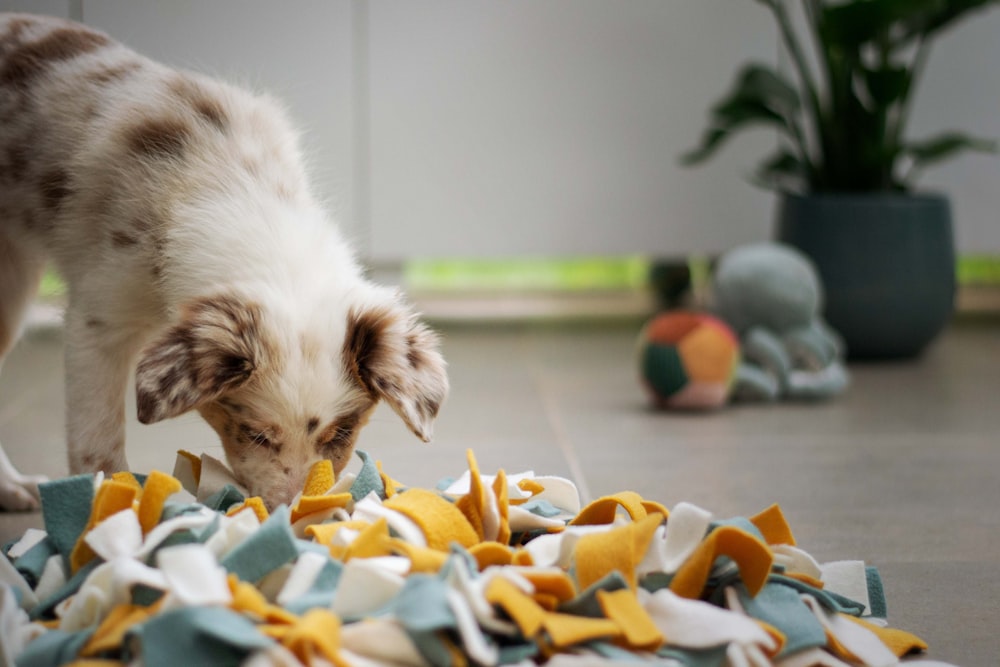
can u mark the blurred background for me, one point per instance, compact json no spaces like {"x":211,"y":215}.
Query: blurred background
{"x":520,"y":158}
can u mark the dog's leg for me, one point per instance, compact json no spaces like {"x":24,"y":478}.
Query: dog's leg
{"x":98,"y":363}
{"x":20,"y":273}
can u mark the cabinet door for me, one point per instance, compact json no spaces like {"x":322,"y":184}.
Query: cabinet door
{"x":299,"y":51}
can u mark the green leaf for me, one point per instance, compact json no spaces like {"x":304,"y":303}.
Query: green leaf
{"x":759,"y":96}
{"x":764,"y":84}
{"x":780,"y":168}
{"x":852,"y":24}
{"x":887,"y":86}
{"x":945,"y":146}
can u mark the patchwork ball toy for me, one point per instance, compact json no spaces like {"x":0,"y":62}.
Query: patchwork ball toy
{"x":688,"y":360}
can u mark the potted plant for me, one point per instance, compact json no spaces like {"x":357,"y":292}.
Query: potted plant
{"x":845,"y":169}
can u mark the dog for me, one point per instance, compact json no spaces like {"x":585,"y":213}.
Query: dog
{"x":177,"y":210}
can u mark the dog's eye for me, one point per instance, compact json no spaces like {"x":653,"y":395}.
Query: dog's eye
{"x":341,"y":437}
{"x":255,"y":438}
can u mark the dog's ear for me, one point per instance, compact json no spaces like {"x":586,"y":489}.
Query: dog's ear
{"x":215,"y":348}
{"x":396,"y":359}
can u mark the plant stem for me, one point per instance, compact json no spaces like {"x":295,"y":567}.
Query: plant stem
{"x":916,"y":71}
{"x":799,"y":60}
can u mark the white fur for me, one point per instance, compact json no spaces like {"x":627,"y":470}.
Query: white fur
{"x":178,"y":211}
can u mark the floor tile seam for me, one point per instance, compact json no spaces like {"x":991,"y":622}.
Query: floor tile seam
{"x":560,"y":435}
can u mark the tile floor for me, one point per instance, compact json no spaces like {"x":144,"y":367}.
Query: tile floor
{"x":902,"y":471}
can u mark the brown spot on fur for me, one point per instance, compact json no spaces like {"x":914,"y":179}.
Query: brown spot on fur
{"x":28,"y":60}
{"x":113,"y":73}
{"x":232,"y":406}
{"x":55,"y":187}
{"x":122,"y":240}
{"x":205,"y":106}
{"x":159,"y":137}
{"x":94,"y":323}
{"x":17,"y":160}
{"x":29,"y":220}
{"x":312,"y":425}
{"x":211,"y":351}
{"x":363,"y":344}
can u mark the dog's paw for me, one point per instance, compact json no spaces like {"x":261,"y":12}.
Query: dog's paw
{"x":20,"y":495}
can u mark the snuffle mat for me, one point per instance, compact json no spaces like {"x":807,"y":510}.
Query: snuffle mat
{"x":363,"y":570}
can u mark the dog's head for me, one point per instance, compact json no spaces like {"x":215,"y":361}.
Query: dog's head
{"x":283,"y":391}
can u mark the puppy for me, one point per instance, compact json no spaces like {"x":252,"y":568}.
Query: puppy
{"x":178,"y":212}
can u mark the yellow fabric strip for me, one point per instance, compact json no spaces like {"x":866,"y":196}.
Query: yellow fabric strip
{"x":324,"y":532}
{"x":503,"y":504}
{"x":603,"y":510}
{"x":473,"y":504}
{"x":247,"y":599}
{"x":111,"y":632}
{"x":553,"y":582}
{"x":391,"y":486}
{"x":567,"y":629}
{"x":195,"y":464}
{"x":371,"y":542}
{"x":441,"y":522}
{"x":639,"y":631}
{"x":621,"y":548}
{"x":525,"y":612}
{"x":773,"y":526}
{"x":753,"y":557}
{"x":125,"y":477}
{"x":159,"y":486}
{"x":316,"y":635}
{"x":320,"y":479}
{"x":491,"y":553}
{"x":422,"y":559}
{"x":112,"y":497}
{"x":651,"y":507}
{"x":529,"y":485}
{"x":312,"y":504}
{"x":255,"y":504}
{"x":899,"y":642}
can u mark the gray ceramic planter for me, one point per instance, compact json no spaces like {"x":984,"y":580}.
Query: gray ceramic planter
{"x":887,"y":263}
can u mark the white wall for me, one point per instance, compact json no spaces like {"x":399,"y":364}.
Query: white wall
{"x":961,"y":91}
{"x":534,"y":127}
{"x":548,"y":127}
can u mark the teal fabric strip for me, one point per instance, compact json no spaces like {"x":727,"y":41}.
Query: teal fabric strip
{"x":31,"y":564}
{"x":197,"y":636}
{"x":45,"y":607}
{"x":515,"y":653}
{"x":541,"y":507}
{"x":876,"y":593}
{"x":615,"y":653}
{"x":740,"y":522}
{"x":322,"y":591}
{"x":66,"y":510}
{"x":832,"y":601}
{"x":711,"y":657}
{"x":422,"y":605}
{"x":368,"y":479}
{"x":264,"y":551}
{"x":422,"y":608}
{"x":224,"y":498}
{"x":432,"y":647}
{"x":586,"y":604}
{"x":782,"y":607}
{"x":654,"y":581}
{"x":55,"y":647}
